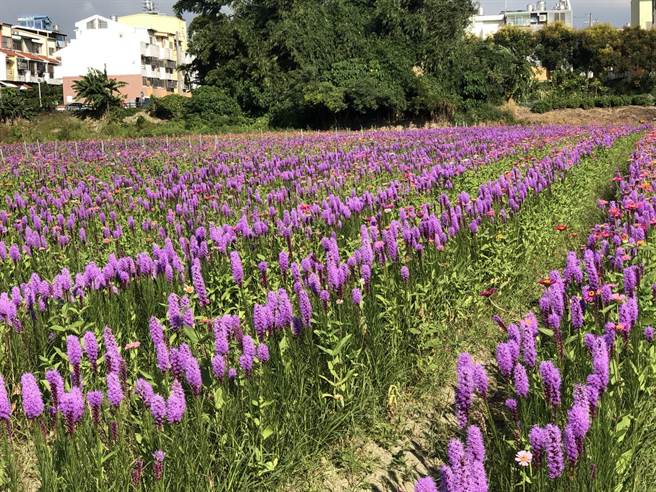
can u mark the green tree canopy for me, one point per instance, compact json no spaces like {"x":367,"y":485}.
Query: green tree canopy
{"x":312,"y":61}
{"x":98,"y":91}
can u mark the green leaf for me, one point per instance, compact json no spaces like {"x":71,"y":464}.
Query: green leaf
{"x":266,"y":433}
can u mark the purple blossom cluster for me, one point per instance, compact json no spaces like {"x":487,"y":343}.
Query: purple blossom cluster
{"x":245,"y":222}
{"x":585,"y":285}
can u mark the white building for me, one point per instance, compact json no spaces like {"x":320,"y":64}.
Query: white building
{"x":539,"y":15}
{"x":643,"y":13}
{"x":534,"y":17}
{"x":483,"y":26}
{"x":144,"y":53}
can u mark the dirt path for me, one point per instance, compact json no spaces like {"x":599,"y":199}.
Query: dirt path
{"x":600,"y":116}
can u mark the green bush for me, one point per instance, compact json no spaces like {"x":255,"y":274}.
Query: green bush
{"x":474,"y":112}
{"x":169,"y":107}
{"x":213,"y":108}
{"x":642,"y":100}
{"x":543,"y":106}
{"x":587,"y":103}
{"x":15,"y":106}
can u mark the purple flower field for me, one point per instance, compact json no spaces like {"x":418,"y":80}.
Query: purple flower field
{"x":204,"y":314}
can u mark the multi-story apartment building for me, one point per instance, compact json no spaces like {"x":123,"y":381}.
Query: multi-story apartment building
{"x":143,"y":50}
{"x":643,"y":13}
{"x":539,"y":15}
{"x":27,"y":50}
{"x":535,"y":17}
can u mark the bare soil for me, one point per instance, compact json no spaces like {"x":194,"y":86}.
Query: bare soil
{"x":628,"y":115}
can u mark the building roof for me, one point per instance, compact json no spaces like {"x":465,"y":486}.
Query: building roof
{"x":29,"y":56}
{"x":36,"y":30}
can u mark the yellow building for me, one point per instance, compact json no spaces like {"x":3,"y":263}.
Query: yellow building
{"x":167,"y":48}
{"x":642,"y":13}
{"x":27,"y":54}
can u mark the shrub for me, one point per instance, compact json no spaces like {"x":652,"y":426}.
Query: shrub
{"x":169,"y":107}
{"x":643,"y":100}
{"x":474,"y":112}
{"x":587,"y":103}
{"x":212,"y":107}
{"x":14,"y":106}
{"x":542,"y":106}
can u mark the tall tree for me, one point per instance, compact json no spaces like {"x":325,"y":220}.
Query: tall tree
{"x":555,"y":46}
{"x":321,"y":59}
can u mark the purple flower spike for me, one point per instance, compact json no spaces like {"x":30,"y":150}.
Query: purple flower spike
{"x":5,"y":404}
{"x":56,"y":383}
{"x":72,"y":407}
{"x":504,"y":359}
{"x":74,"y":354}
{"x":114,"y":390}
{"x":199,"y":283}
{"x":237,"y":268}
{"x":91,"y":348}
{"x":32,"y":397}
{"x":425,"y":484}
{"x":158,"y":464}
{"x":262,"y":353}
{"x":554,"y":451}
{"x":520,"y":379}
{"x":176,"y":405}
{"x":95,"y":400}
{"x":551,"y":382}
{"x":356,"y":296}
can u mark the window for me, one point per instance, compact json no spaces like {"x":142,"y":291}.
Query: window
{"x":102,"y":24}
{"x":17,"y":45}
{"x":91,"y":24}
{"x":6,"y":43}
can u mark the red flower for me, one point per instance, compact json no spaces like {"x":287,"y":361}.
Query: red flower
{"x":489,"y":292}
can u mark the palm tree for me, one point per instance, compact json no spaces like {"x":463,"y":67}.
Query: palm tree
{"x":14,"y":106}
{"x":98,"y":91}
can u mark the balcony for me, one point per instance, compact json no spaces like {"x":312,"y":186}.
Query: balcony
{"x":28,"y":77}
{"x":148,"y":71}
{"x":150,"y":50}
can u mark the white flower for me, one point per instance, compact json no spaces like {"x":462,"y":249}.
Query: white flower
{"x":524,"y":458}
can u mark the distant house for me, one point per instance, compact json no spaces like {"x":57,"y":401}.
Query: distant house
{"x":143,"y":50}
{"x":483,"y":26}
{"x":643,"y":13}
{"x":28,"y":51}
{"x":535,"y":17}
{"x":539,"y":15}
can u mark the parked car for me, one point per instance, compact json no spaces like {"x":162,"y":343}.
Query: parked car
{"x":76,"y":106}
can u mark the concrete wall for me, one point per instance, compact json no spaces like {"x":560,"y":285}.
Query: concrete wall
{"x":641,"y":14}
{"x":117,"y":49}
{"x":133,"y":89}
{"x":161,"y":23}
{"x":3,"y":66}
{"x":484,"y":26}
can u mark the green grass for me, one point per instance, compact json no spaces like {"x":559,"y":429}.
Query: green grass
{"x":455,"y":318}
{"x":337,"y":378}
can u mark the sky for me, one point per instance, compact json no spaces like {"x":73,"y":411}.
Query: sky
{"x":66,"y":12}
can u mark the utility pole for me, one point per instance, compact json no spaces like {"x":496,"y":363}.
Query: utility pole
{"x":590,"y":19}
